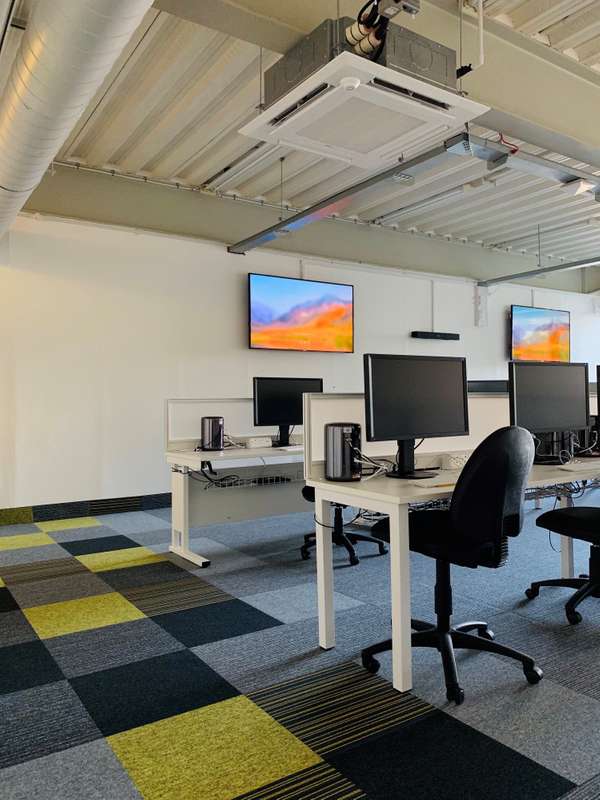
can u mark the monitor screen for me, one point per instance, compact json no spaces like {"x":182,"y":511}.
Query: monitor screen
{"x":549,"y":397}
{"x":295,"y":314}
{"x":414,"y":397}
{"x":278,"y":401}
{"x":540,"y":334}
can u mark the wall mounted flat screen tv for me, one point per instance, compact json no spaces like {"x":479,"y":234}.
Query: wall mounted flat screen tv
{"x":540,"y":334}
{"x":296,"y":314}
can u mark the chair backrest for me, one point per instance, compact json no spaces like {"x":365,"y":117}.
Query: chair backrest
{"x":487,"y":503}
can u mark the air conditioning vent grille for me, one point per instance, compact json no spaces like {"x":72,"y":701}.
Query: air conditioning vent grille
{"x":284,"y":115}
{"x":420,"y":98}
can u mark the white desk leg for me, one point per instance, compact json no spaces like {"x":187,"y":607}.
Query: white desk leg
{"x":180,"y":518}
{"x":567,"y":561}
{"x":325,"y":574}
{"x":538,"y":503}
{"x":400,"y":588}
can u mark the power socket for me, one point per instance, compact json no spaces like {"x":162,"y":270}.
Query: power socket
{"x":255,"y":442}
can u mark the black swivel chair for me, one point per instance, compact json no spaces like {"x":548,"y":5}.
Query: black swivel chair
{"x":339,"y":535}
{"x":578,"y":523}
{"x":486,"y":508}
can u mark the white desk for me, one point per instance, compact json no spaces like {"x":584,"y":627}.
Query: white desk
{"x":184,"y":462}
{"x":393,"y":497}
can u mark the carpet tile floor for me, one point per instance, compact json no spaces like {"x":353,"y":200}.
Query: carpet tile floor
{"x":127,"y":673}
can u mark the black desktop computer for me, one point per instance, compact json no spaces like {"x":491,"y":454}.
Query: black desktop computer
{"x":414,"y":397}
{"x":550,"y":400}
{"x":278,"y":402}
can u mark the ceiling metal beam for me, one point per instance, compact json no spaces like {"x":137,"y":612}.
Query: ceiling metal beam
{"x":586,"y":262}
{"x":338,"y":201}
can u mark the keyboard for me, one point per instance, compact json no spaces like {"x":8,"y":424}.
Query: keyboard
{"x":293,"y":448}
{"x":589,"y":465}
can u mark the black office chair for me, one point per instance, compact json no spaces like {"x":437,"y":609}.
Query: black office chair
{"x":578,"y":523}
{"x":339,"y":536}
{"x":486,"y":508}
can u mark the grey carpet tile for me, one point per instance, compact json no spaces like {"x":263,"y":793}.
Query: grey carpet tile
{"x":161,"y":513}
{"x":86,"y":772}
{"x":164,"y":598}
{"x":590,"y":790}
{"x":160,"y":536}
{"x":19,"y":529}
{"x":296,"y":603}
{"x":15,"y":629}
{"x":29,"y":555}
{"x":131,"y":522}
{"x":253,"y":532}
{"x":56,"y":590}
{"x":41,"y":570}
{"x":112,"y":646}
{"x":42,"y":720}
{"x":266,"y":657}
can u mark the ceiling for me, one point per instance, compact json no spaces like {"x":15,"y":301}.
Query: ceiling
{"x":571,"y":27}
{"x":171,"y":108}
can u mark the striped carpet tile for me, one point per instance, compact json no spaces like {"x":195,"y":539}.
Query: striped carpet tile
{"x":333,"y":708}
{"x":181,"y":595}
{"x":587,"y":791}
{"x":39,"y":571}
{"x":321,"y":782}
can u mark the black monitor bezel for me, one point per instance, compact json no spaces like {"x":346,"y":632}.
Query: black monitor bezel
{"x":256,"y":379}
{"x":298,"y":349}
{"x":408,"y":437}
{"x":518,"y":363}
{"x":512,"y":332}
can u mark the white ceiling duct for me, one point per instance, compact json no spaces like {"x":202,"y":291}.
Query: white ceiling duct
{"x":66,"y":52}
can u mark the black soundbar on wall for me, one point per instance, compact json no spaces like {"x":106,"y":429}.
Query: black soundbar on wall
{"x":435,"y":335}
{"x":488,"y":387}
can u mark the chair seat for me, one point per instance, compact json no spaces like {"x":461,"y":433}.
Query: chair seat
{"x":582,"y":522}
{"x":432,"y":534}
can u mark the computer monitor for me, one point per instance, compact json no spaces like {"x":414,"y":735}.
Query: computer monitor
{"x":278,"y":401}
{"x":414,"y":397}
{"x":549,"y":397}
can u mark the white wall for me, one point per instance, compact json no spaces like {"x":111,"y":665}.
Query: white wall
{"x":99,"y":326}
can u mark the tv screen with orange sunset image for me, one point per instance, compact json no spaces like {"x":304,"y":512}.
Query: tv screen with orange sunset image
{"x":540,"y":334}
{"x":295,"y":314}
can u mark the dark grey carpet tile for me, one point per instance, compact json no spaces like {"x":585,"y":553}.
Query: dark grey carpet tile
{"x":43,"y":720}
{"x":320,"y":782}
{"x":146,"y":575}
{"x":87,"y":772}
{"x":588,"y":791}
{"x":164,"y":598}
{"x":26,"y":665}
{"x":53,"y":568}
{"x":56,"y":590}
{"x":15,"y":629}
{"x":112,"y":646}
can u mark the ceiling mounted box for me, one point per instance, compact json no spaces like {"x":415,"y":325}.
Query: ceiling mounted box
{"x":362,"y":113}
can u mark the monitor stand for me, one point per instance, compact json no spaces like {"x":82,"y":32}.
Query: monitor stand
{"x":405,"y":463}
{"x":284,"y":437}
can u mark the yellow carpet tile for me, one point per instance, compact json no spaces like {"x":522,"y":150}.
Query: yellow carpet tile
{"x":120,"y":559}
{"x":67,"y":524}
{"x":71,"y":616}
{"x":25,"y":540}
{"x":214,"y":753}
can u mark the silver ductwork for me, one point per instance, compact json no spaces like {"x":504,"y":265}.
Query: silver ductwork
{"x":67,"y":51}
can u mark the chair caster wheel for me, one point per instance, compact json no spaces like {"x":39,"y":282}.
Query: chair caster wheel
{"x":455,"y":695}
{"x":354,"y":560}
{"x":305,"y":553}
{"x":574,"y":617}
{"x":371,"y":664}
{"x":488,"y":634}
{"x":531,"y":592}
{"x":382,"y":550}
{"x":533,"y":674}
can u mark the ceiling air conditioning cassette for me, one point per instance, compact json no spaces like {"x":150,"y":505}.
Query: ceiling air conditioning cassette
{"x":362,"y":113}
